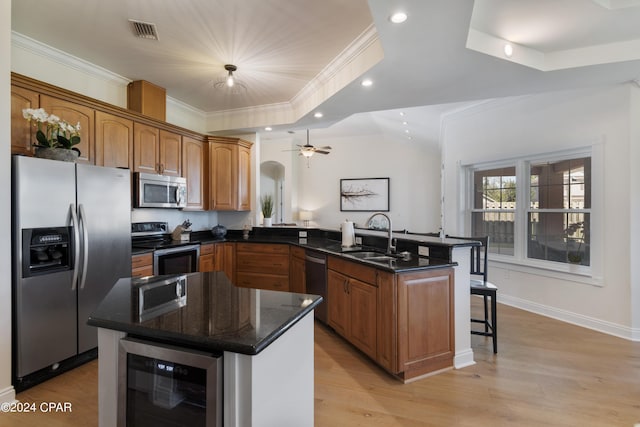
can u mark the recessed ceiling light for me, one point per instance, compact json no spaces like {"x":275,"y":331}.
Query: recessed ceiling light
{"x":508,"y":50}
{"x":367,"y":82}
{"x":406,"y":131}
{"x":401,"y":113}
{"x":398,"y":17}
{"x":318,"y":115}
{"x":268,"y":128}
{"x":405,"y":123}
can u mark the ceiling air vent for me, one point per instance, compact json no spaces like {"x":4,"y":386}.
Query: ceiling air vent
{"x":144,"y":30}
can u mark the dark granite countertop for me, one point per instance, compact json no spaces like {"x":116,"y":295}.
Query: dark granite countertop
{"x":214,"y":314}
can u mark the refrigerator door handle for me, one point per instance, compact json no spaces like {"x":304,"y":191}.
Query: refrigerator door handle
{"x":85,"y":244}
{"x":76,"y":245}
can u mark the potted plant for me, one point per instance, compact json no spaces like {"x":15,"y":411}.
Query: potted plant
{"x":56,"y":138}
{"x":267,"y":209}
{"x":577,"y":228}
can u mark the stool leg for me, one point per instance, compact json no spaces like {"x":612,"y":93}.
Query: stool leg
{"x":494,"y":323}
{"x":486,"y":314}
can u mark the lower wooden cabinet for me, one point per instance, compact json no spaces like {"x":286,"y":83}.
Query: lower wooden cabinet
{"x":353,"y":304}
{"x":404,"y":321}
{"x":207,"y":259}
{"x":262,"y":266}
{"x":297,"y":273}
{"x":142,"y":265}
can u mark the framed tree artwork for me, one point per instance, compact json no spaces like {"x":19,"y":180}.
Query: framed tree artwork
{"x":364,"y":195}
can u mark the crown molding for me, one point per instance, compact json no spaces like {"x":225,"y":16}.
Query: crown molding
{"x":51,"y":53}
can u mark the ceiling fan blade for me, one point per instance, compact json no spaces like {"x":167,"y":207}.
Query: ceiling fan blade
{"x":321,"y":152}
{"x":326,"y":147}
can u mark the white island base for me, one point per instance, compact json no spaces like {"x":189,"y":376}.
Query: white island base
{"x":273,"y":388}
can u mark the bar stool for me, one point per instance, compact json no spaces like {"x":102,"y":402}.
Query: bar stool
{"x":481,"y":286}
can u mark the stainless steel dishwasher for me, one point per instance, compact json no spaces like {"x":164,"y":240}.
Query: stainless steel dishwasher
{"x":316,"y":280}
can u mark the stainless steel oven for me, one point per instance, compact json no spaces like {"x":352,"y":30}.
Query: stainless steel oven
{"x":163,"y":385}
{"x":176,"y":260}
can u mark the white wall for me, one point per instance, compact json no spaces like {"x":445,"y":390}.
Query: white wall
{"x":413,"y":169}
{"x":546,"y":123}
{"x":7,"y":392}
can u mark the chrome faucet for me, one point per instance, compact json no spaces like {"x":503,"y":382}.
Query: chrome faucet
{"x":391,"y":249}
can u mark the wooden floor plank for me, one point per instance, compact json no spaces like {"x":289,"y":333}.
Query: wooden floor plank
{"x":546,"y":373}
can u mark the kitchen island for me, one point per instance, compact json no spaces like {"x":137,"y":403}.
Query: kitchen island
{"x":265,"y":339}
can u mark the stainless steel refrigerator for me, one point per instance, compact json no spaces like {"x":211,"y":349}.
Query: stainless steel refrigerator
{"x":71,"y":242}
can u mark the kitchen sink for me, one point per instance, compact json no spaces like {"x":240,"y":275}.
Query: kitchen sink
{"x":376,"y":256}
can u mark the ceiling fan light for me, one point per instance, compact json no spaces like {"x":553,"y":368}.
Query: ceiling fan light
{"x":307,"y":153}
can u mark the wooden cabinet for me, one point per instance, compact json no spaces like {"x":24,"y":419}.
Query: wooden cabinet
{"x":142,"y":265}
{"x":297,"y":276}
{"x":262,"y":266}
{"x":156,"y":151}
{"x":23,"y":133}
{"x":425,"y":322}
{"x":207,"y":257}
{"x":353,"y":306}
{"x":226,"y":259}
{"x":114,"y":141}
{"x":230,"y":174}
{"x":148,"y":99}
{"x":75,"y":113}
{"x":193,"y":170}
{"x":170,"y":153}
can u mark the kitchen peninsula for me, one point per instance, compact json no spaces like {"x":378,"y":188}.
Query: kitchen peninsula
{"x":265,"y":339}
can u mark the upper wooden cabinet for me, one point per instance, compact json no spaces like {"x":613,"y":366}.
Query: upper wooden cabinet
{"x":114,"y":141}
{"x":156,"y":151}
{"x":230,"y":174}
{"x":193,"y":170}
{"x":170,"y":153}
{"x":23,"y":134}
{"x":148,"y":99}
{"x":74,"y":113}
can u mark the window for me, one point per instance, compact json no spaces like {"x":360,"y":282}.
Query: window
{"x":536,"y":209}
{"x":494,"y":206}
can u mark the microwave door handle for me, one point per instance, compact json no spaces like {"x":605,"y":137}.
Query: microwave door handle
{"x":76,"y":246}
{"x":85,"y":241}
{"x":178,"y":195}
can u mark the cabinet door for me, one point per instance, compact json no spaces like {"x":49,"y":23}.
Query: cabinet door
{"x":206,"y":263}
{"x":229,"y":260}
{"x":193,"y":171}
{"x":224,"y":177}
{"x":74,"y":114}
{"x":363,"y":303}
{"x":170,"y":153}
{"x":244,"y":179}
{"x":297,"y":275}
{"x":23,"y":133}
{"x":146,"y":156}
{"x":338,"y":300}
{"x":425,"y":320}
{"x":114,"y":141}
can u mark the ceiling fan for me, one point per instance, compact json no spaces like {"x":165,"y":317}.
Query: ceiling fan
{"x":307,"y":150}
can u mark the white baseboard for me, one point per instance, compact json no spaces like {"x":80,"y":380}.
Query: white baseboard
{"x":8,"y":395}
{"x":464,"y":358}
{"x":573,"y":318}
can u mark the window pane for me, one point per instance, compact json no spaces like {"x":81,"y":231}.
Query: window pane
{"x":564,"y":184}
{"x":559,"y":236}
{"x":499,"y":226}
{"x":494,"y":189}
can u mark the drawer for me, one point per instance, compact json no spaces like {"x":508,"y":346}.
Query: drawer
{"x":353,"y":269}
{"x":206,"y":249}
{"x":263,"y":248}
{"x":141,"y":260}
{"x":297,"y":251}
{"x":262,"y":263}
{"x":270,"y":282}
{"x":145,"y":270}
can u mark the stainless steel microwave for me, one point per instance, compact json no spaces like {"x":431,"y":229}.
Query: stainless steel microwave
{"x":159,"y":191}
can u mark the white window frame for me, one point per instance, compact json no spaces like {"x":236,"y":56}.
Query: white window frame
{"x":591,"y":274}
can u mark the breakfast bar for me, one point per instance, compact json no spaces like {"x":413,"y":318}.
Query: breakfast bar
{"x":156,"y":330}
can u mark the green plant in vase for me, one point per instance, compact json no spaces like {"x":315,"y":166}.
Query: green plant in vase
{"x":267,"y":207}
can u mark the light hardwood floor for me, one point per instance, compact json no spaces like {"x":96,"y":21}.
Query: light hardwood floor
{"x":547,"y":373}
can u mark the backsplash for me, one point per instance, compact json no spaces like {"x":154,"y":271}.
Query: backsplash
{"x":200,"y":220}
